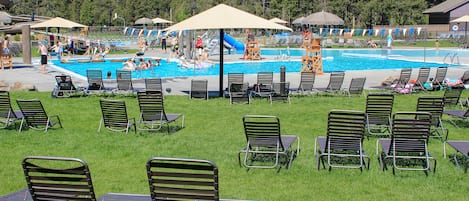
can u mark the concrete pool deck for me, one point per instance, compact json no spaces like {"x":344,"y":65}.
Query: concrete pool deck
{"x":30,"y":74}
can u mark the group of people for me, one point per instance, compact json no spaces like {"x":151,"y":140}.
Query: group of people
{"x":130,"y":64}
{"x":201,"y":60}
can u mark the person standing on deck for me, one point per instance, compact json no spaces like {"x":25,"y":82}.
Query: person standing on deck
{"x":389,"y":39}
{"x":43,"y":50}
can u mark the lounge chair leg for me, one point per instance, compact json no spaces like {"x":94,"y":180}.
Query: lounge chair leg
{"x":21,"y":125}
{"x":100,"y":124}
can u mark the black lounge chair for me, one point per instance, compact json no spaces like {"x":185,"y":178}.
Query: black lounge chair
{"x":378,"y":113}
{"x":422,"y":78}
{"x":237,"y":78}
{"x":199,"y":89}
{"x":452,"y":95}
{"x":263,"y":87}
{"x":95,"y":79}
{"x":57,"y":178}
{"x":182,"y":179}
{"x":461,"y":114}
{"x":335,"y":82}
{"x":404,"y":77}
{"x":435,"y":106}
{"x":407,"y":148}
{"x":356,"y":86}
{"x":124,"y":80}
{"x":152,"y":112}
{"x":307,"y":83}
{"x":264,"y":139}
{"x":239,"y":93}
{"x":439,"y":79}
{"x":35,"y":117}
{"x":344,"y":140}
{"x":64,"y":87}
{"x":115,"y":116}
{"x":280,"y":91}
{"x":465,"y":77}
{"x":7,"y":114}
{"x":154,"y":84}
{"x":461,"y":147}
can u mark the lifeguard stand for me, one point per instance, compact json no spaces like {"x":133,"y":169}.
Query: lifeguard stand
{"x":312,"y":61}
{"x":252,"y":51}
{"x":6,"y":61}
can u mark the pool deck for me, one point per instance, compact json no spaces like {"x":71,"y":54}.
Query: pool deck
{"x":30,"y":74}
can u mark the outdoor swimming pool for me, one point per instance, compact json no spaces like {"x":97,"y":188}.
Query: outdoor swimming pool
{"x":333,"y":60}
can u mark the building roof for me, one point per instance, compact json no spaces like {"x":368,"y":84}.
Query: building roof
{"x":446,"y":6}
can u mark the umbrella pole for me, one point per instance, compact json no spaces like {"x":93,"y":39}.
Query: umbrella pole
{"x":220,"y":84}
{"x":465,"y":34}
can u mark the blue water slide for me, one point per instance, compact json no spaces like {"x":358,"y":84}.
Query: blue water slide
{"x":234,"y":43}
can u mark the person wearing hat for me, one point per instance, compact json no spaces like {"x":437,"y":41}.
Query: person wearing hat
{"x":199,"y":45}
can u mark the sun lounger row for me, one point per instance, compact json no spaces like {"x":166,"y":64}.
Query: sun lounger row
{"x":66,"y":88}
{"x":31,"y":114}
{"x":114,"y":114}
{"x":168,"y":178}
{"x":379,"y":107}
{"x":240,"y":91}
{"x":405,"y":85}
{"x":152,"y":114}
{"x":343,"y":145}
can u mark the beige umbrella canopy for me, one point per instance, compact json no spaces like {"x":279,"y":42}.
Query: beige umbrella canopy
{"x":144,"y":21}
{"x":278,"y":21}
{"x":323,"y":18}
{"x":225,"y":17}
{"x":58,"y":22}
{"x":160,"y":20}
{"x":5,"y":18}
{"x":298,"y":20}
{"x":464,"y":19}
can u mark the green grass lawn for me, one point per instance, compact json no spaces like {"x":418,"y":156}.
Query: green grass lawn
{"x":213,"y":130}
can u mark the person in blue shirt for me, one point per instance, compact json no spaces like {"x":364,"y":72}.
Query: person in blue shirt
{"x":389,"y":39}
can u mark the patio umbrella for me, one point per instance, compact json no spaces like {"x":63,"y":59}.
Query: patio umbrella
{"x":298,"y":20}
{"x":225,"y":17}
{"x":59,"y":23}
{"x":465,"y":19}
{"x":278,"y":21}
{"x":144,"y":21}
{"x":160,"y":21}
{"x":5,"y":18}
{"x":323,"y":18}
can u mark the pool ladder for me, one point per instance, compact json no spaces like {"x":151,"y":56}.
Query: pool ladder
{"x":453,"y":59}
{"x":284,"y":54}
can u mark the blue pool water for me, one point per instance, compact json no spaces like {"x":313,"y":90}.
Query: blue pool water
{"x":333,"y":60}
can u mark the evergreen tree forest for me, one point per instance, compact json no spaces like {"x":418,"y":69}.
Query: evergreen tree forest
{"x":356,"y":13}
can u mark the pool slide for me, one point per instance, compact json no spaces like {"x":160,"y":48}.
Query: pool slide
{"x":233,"y":42}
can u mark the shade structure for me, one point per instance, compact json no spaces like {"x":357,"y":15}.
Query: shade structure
{"x":58,"y":22}
{"x":160,"y":21}
{"x":278,"y":21}
{"x":298,"y":20}
{"x":322,"y":18}
{"x":225,"y":17}
{"x":144,"y":21}
{"x":463,"y":19}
